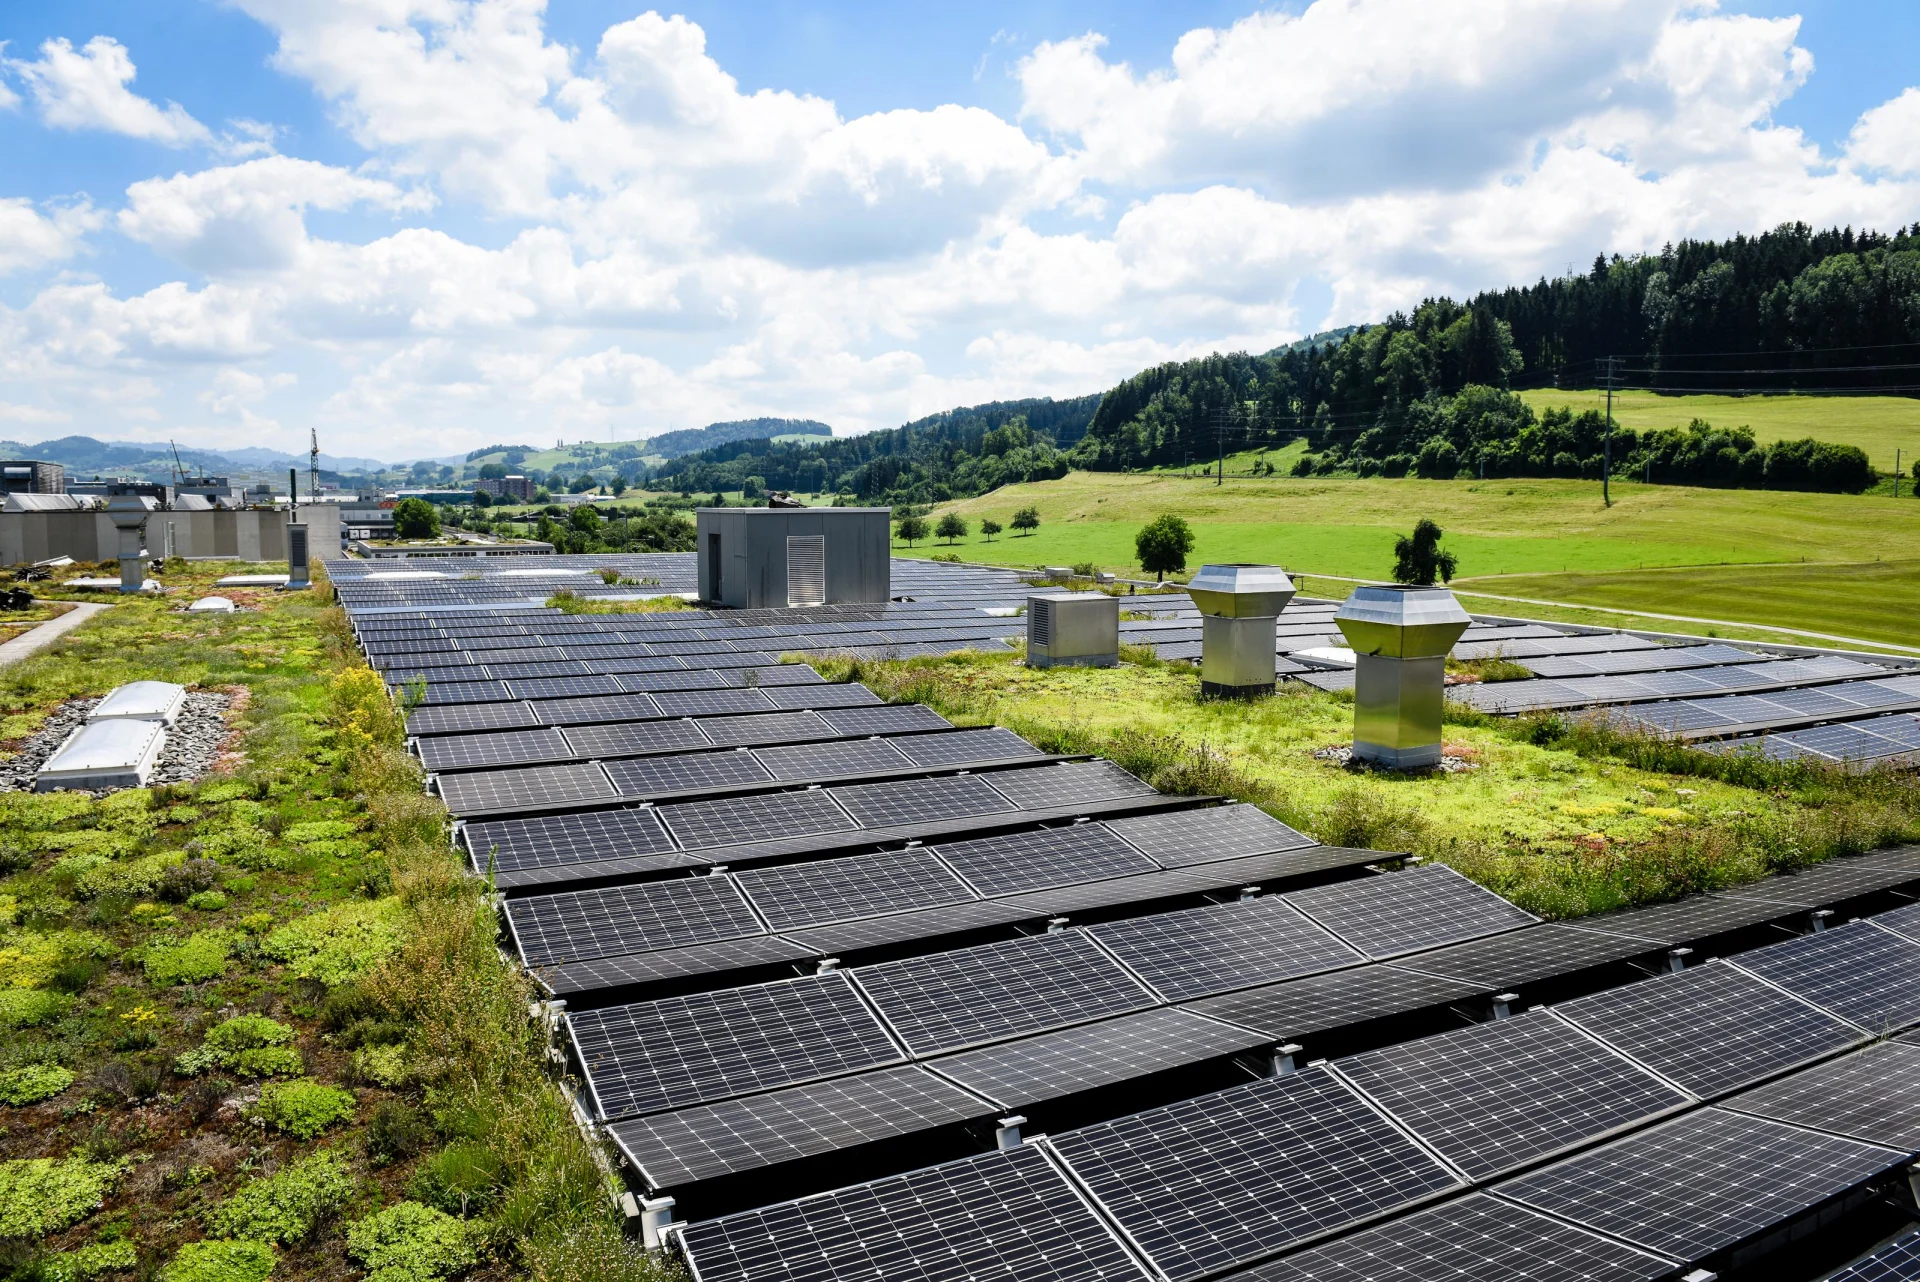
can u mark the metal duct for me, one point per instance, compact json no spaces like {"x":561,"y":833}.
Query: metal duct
{"x":1400,"y":638}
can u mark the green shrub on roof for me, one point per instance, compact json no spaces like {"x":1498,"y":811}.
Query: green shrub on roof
{"x":215,"y":1260}
{"x":303,"y":1108}
{"x":200,"y":957}
{"x":409,"y":1242}
{"x":39,"y":1195}
{"x":31,"y":1083}
{"x":288,"y":1205}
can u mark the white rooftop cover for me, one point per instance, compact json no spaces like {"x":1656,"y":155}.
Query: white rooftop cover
{"x":141,"y":701}
{"x":250,"y":581}
{"x":104,"y":754}
{"x":43,"y":503}
{"x":212,"y":605}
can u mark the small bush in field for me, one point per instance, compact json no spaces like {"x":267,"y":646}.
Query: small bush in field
{"x":303,"y":1108}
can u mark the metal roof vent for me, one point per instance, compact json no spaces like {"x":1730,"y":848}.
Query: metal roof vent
{"x":1079,"y":629}
{"x":806,"y":569}
{"x":299,"y":569}
{"x":159,"y":701}
{"x":1239,"y":604}
{"x":1400,"y":638}
{"x":104,"y":754}
{"x":129,"y":513}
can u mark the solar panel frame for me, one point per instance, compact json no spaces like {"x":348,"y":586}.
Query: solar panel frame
{"x":1702,"y":1182}
{"x":1067,"y":783}
{"x":1522,"y":956}
{"x":1897,"y":1261}
{"x":999,"y":990}
{"x":962,"y":747}
{"x":565,"y":687}
{"x":1200,"y":951}
{"x":633,"y":738}
{"x":1472,"y":1237}
{"x":707,"y":1141}
{"x":673,"y":1052}
{"x":1403,"y":912}
{"x":1009,"y":1216}
{"x":1709,"y":1029}
{"x":1205,"y":1184}
{"x":1868,"y":1095}
{"x":794,"y":896}
{"x":768,"y":728}
{"x":709,"y":703}
{"x":892,"y":718}
{"x":492,"y":748}
{"x":1857,"y":971}
{"x":578,"y":837}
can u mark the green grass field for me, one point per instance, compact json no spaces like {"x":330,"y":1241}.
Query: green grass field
{"x":1880,"y":425}
{"x":1555,"y":532}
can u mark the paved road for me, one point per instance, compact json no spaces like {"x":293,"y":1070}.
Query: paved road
{"x":46,"y":634}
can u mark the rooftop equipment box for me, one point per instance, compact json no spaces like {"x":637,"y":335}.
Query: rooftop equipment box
{"x":104,"y":754}
{"x":757,"y":558}
{"x":1080,"y":629}
{"x":142,"y":701}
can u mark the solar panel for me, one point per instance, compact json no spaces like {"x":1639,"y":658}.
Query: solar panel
{"x":1474,"y":1237}
{"x":1209,"y":1183}
{"x":454,"y":718}
{"x":1302,"y":1008}
{"x":1521,"y":956}
{"x":1006,"y":1216}
{"x":1685,"y":920}
{"x":733,"y":820}
{"x":1897,"y":1261}
{"x":1856,"y":971}
{"x":1710,"y":1029}
{"x":1400,"y":912}
{"x":1905,"y":921}
{"x":668,"y":679}
{"x":1050,"y":1066}
{"x":842,"y":938}
{"x":1491,"y":1096}
{"x":905,"y":802}
{"x":629,"y":919}
{"x":684,"y":772}
{"x":565,"y":687}
{"x":1868,"y":1095}
{"x":610,"y":707}
{"x":651,"y":1056}
{"x":633,"y":738}
{"x":836,"y":889}
{"x":581,"y":837}
{"x":1222,"y":946}
{"x":1067,"y":784}
{"x":1826,"y":883}
{"x":991,"y":991}
{"x":764,"y":728}
{"x":502,"y":747}
{"x":1702,"y":1182}
{"x":891,"y":719}
{"x":830,"y":760}
{"x":444,"y":692}
{"x":823,"y":696}
{"x":1181,"y":837}
{"x":661,"y":965}
{"x":528,"y":787}
{"x":1019,"y":861}
{"x":960,"y":747}
{"x":711,"y":1140}
{"x":710,"y":703}
{"x":545,"y":668}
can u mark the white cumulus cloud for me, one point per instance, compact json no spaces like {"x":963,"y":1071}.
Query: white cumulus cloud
{"x":86,"y":88}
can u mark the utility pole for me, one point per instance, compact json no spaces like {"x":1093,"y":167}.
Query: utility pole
{"x":1606,"y":451}
{"x":313,"y":463}
{"x":1220,"y":445}
{"x":1896,"y":473}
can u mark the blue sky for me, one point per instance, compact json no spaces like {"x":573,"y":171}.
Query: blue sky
{"x":229,"y":222}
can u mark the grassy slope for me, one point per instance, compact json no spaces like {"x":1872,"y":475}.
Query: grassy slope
{"x":318,"y":811}
{"x":1564,"y":827}
{"x":1877,"y":424}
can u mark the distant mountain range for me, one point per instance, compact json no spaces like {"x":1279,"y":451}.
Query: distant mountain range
{"x":84,"y":456}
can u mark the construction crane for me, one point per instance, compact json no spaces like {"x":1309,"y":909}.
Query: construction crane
{"x":313,"y":464}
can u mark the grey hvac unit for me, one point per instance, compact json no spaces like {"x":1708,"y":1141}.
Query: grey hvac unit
{"x":1080,"y":629}
{"x":806,"y":569}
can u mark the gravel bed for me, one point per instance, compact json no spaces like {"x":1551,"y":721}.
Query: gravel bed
{"x":1449,"y":764}
{"x":192,"y":747}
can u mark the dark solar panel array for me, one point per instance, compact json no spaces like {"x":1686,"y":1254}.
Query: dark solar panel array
{"x":1019,"y":861}
{"x":1405,"y":911}
{"x":798,"y":895}
{"x":701,"y":824}
{"x":1857,"y":971}
{"x":1222,"y":946}
{"x":1897,"y":1261}
{"x":1190,"y":837}
{"x":1868,"y":1095}
{"x":1206,"y":1184}
{"x":638,"y":918}
{"x":572,"y":838}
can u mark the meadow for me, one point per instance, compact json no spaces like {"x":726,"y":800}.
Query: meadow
{"x":1880,"y":425}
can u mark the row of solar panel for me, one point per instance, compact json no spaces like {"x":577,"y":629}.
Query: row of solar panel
{"x":431,"y":655}
{"x":1540,"y":694}
{"x":1227,"y":1180}
{"x":1734,"y":713}
{"x":1029,"y":1072}
{"x":1895,"y":737}
{"x":696,"y":692}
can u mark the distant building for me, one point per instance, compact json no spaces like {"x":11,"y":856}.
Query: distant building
{"x":209,"y":487}
{"x":368,"y":516}
{"x":29,"y":476}
{"x":515,"y":489}
{"x":115,"y":486}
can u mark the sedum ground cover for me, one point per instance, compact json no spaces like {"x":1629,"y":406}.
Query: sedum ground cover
{"x":1563,"y":820}
{"x":257,"y":1026}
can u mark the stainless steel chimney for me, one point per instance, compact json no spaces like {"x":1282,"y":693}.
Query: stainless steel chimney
{"x":129,"y":513}
{"x":1238,"y":604}
{"x":1400,"y":638}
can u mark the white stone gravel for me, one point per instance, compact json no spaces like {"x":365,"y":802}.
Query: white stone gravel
{"x":193,"y":744}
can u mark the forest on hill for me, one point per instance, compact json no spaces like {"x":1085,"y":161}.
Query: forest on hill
{"x":1432,"y":392}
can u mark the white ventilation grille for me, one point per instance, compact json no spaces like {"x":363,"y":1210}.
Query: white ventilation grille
{"x":1040,"y":623}
{"x":806,"y":569}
